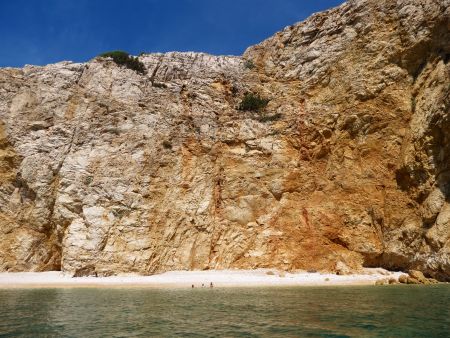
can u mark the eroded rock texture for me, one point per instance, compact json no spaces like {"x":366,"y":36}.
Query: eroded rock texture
{"x":106,"y":171}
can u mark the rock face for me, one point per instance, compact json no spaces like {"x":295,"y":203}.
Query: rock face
{"x":105,"y":171}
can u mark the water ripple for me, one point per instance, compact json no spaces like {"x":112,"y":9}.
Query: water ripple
{"x":397,"y":311}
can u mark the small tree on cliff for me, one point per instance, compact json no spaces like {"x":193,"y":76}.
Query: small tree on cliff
{"x":122,"y":58}
{"x":253,"y":102}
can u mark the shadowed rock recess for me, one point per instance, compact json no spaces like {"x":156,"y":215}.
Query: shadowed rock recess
{"x":104,"y":170}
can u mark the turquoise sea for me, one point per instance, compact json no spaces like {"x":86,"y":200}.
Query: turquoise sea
{"x":390,"y":311}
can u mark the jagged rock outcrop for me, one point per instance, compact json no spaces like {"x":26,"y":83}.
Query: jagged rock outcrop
{"x":104,"y":170}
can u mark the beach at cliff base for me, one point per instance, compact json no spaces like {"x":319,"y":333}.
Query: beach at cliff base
{"x":198,"y":279}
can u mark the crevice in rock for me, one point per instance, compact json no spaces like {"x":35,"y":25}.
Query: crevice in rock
{"x":155,"y":71}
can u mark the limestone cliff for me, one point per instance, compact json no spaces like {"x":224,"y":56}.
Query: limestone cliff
{"x":104,"y":170}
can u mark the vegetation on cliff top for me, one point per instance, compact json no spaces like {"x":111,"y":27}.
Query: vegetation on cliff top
{"x":122,"y":58}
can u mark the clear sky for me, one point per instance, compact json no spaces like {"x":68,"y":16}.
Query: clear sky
{"x":47,"y":31}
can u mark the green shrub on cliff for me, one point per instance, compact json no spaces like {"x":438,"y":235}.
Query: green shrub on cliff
{"x":253,"y":102}
{"x":122,"y":58}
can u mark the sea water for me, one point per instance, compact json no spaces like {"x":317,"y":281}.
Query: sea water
{"x":349,"y":311}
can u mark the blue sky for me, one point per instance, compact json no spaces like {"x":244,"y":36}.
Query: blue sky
{"x":47,"y":31}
